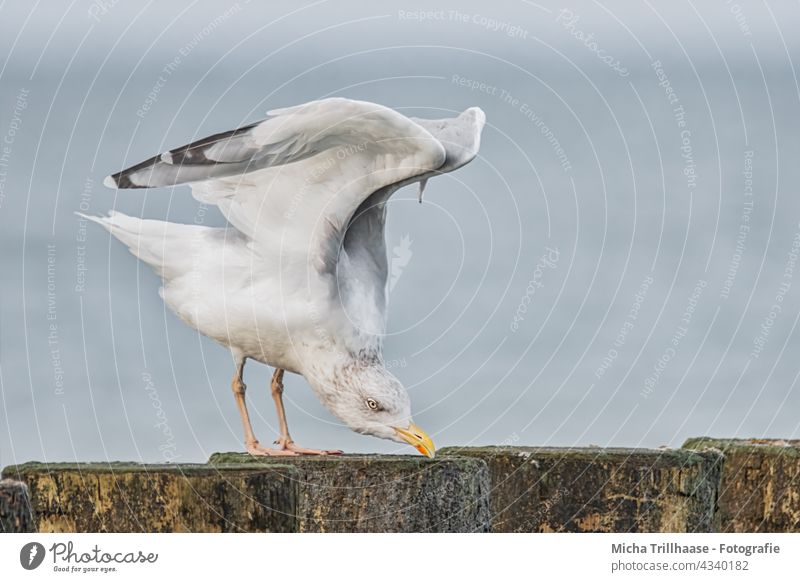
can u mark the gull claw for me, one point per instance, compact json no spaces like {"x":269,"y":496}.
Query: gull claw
{"x":255,"y":449}
{"x":290,"y":447}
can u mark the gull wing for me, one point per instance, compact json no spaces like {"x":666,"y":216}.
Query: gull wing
{"x":362,"y":277}
{"x":461,"y":138}
{"x":292,"y":182}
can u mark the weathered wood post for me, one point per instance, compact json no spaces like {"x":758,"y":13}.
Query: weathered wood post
{"x":760,"y":484}
{"x":544,"y":489}
{"x":15,"y":508}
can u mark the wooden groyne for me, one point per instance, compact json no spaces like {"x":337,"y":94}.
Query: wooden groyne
{"x":707,"y":485}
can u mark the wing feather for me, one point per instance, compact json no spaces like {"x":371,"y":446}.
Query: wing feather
{"x":297,"y":177}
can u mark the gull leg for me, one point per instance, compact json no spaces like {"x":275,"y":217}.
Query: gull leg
{"x":250,"y":441}
{"x":285,"y":441}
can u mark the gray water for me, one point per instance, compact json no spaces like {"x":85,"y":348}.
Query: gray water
{"x":614,"y":269}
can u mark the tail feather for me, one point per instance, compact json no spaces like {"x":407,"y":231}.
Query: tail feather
{"x":162,"y":245}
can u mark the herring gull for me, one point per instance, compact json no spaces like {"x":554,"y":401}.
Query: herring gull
{"x":299,"y":281}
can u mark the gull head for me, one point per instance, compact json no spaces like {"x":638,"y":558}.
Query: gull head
{"x":371,"y":401}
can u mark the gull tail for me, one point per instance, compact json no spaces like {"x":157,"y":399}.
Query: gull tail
{"x":162,"y":245}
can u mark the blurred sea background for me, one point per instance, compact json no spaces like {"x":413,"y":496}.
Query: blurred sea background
{"x":617,"y":268}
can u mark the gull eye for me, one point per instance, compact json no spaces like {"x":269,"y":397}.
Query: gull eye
{"x":372,"y":403}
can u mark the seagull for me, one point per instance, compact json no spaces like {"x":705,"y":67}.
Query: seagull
{"x":298,"y":278}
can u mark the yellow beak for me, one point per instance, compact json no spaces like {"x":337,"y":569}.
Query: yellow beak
{"x":417,"y":438}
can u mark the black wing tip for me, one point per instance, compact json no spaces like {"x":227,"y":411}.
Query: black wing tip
{"x":121,"y":180}
{"x":194,"y":154}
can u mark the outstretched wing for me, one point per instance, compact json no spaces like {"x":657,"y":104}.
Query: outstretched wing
{"x":292,"y":182}
{"x":362,"y":284}
{"x":461,"y":137}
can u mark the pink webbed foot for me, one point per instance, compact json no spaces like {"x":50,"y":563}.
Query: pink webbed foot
{"x":255,"y":449}
{"x":289,"y":446}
